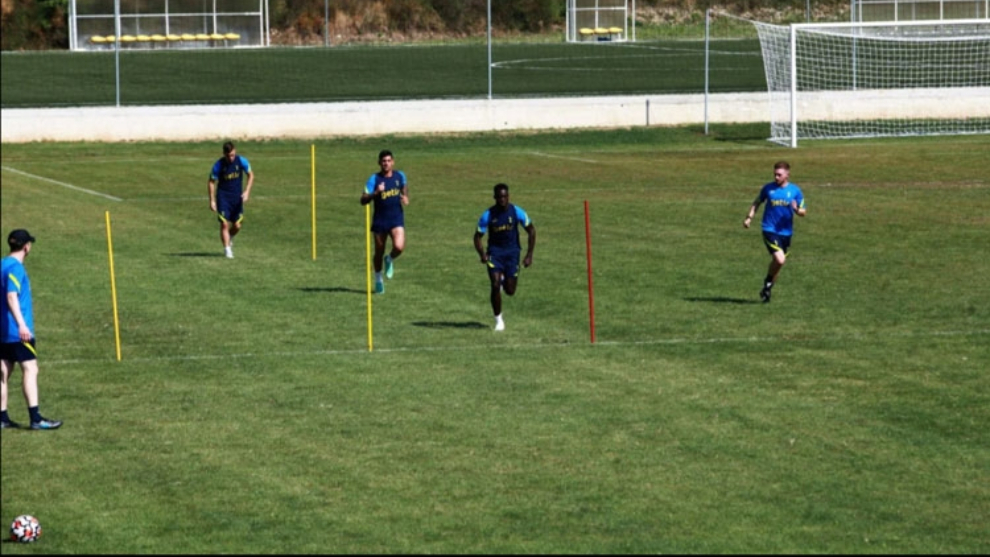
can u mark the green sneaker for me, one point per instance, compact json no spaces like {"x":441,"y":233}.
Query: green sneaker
{"x":379,"y":287}
{"x":389,"y":270}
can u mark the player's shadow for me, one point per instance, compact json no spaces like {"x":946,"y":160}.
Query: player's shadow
{"x":721,"y":300}
{"x":333,"y":289}
{"x":450,"y":324}
{"x":197,"y":254}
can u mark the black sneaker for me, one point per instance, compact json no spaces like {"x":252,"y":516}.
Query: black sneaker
{"x":46,"y":424}
{"x":10,"y":425}
{"x":765,"y":295}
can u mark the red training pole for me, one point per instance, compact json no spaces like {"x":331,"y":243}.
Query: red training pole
{"x":591,"y":289}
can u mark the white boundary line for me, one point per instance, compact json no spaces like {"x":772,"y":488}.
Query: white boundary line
{"x":63,"y":184}
{"x":562,"y":344}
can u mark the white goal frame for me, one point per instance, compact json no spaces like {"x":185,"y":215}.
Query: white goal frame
{"x":854,"y":106}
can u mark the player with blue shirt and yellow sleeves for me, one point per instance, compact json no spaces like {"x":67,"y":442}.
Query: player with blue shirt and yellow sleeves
{"x":389,"y":191}
{"x":501,"y":222}
{"x":228,"y":193}
{"x":17,"y":342}
{"x":783,"y":200}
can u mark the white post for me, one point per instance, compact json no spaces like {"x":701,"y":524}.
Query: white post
{"x":708,"y":18}
{"x":73,"y":41}
{"x":116,"y":49}
{"x":794,"y":137}
{"x":489,"y":49}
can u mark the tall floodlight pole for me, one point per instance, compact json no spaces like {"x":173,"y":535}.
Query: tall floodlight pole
{"x":116,"y":49}
{"x":489,"y":49}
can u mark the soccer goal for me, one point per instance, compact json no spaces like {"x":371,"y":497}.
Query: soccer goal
{"x":601,"y":20}
{"x":846,"y":80}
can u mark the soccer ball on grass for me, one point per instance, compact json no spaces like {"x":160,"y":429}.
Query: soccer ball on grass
{"x":25,"y":529}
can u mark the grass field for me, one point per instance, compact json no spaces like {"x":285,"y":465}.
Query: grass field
{"x":248,"y":415}
{"x":32,"y":79}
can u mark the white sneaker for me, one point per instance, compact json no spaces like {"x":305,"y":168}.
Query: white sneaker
{"x":228,"y":252}
{"x":499,"y":324}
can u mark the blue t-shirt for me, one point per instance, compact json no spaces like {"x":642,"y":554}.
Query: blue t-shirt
{"x":503,"y":227}
{"x":388,"y":205}
{"x":778,"y":217}
{"x":15,"y":279}
{"x":229,"y":175}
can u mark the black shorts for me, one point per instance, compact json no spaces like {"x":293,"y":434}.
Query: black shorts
{"x":776,"y":242}
{"x":18,"y":351}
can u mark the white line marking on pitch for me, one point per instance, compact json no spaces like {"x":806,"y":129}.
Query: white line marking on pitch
{"x":549,"y":156}
{"x":63,"y":184}
{"x":561,"y":344}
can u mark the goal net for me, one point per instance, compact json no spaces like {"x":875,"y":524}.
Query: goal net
{"x":845,"y":80}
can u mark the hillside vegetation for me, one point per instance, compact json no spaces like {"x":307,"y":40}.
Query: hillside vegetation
{"x":42,"y":24}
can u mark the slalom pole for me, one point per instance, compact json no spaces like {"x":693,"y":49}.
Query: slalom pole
{"x":312,"y":173}
{"x":113,"y":288}
{"x":591,"y":289}
{"x":367,"y":250}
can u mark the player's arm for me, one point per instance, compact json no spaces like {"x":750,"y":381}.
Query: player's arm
{"x":479,"y":247}
{"x":797,"y":205}
{"x":752,"y":210}
{"x":371,"y":189}
{"x":212,"y":192}
{"x":405,"y":195}
{"x":531,"y":232}
{"x":14,"y":303}
{"x":250,"y":181}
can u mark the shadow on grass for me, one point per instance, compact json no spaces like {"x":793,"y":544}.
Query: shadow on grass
{"x":450,"y":324}
{"x":721,"y":300}
{"x":198,"y":254}
{"x":333,"y":289}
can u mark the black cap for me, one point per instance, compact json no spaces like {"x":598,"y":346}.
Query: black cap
{"x":18,"y":238}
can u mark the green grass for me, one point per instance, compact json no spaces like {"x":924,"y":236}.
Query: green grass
{"x":34,"y":79}
{"x":247,"y":415}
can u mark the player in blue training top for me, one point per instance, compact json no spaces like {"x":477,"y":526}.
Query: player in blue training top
{"x":390,"y":192}
{"x":228,"y":194}
{"x":17,"y":343}
{"x":784,"y":200}
{"x":502,"y":221}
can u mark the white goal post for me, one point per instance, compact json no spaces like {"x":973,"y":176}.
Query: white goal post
{"x":846,"y":80}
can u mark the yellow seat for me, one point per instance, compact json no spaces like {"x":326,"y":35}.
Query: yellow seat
{"x":615,"y":30}
{"x":98,"y":39}
{"x":232,"y":36}
{"x":128,"y":39}
{"x":216,"y":37}
{"x":143,"y":38}
{"x":111,"y":39}
{"x":188,"y":37}
{"x":173,"y":37}
{"x":158,"y":38}
{"x":202,"y":37}
{"x":601,"y":31}
{"x":586,"y":32}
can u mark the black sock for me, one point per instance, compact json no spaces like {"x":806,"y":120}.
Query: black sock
{"x":35,"y":414}
{"x":768,"y":282}
{"x":4,"y":417}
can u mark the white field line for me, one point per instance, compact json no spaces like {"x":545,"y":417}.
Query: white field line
{"x":549,"y":156}
{"x":532,"y":346}
{"x":63,"y":184}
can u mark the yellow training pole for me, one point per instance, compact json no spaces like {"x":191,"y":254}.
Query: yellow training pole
{"x":312,"y":157}
{"x":367,"y":249}
{"x":113,"y":287}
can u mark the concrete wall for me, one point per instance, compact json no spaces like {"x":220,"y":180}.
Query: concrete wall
{"x":313,"y":120}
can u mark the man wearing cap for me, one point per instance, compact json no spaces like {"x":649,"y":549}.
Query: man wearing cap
{"x":17,"y":343}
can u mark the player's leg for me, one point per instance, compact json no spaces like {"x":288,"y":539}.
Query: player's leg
{"x":398,"y":235}
{"x":30,"y":370}
{"x":5,"y":368}
{"x":378,"y":260}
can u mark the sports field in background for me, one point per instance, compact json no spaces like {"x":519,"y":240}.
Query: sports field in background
{"x":849,"y":415}
{"x":35,"y":79}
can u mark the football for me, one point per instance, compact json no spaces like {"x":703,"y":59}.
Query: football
{"x":25,"y":529}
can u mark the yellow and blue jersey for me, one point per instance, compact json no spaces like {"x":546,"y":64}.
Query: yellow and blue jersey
{"x":15,"y":279}
{"x":502,"y":227}
{"x":388,"y":205}
{"x":229,"y":175}
{"x":778,"y":216}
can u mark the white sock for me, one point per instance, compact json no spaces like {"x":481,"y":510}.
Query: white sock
{"x":378,"y":276}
